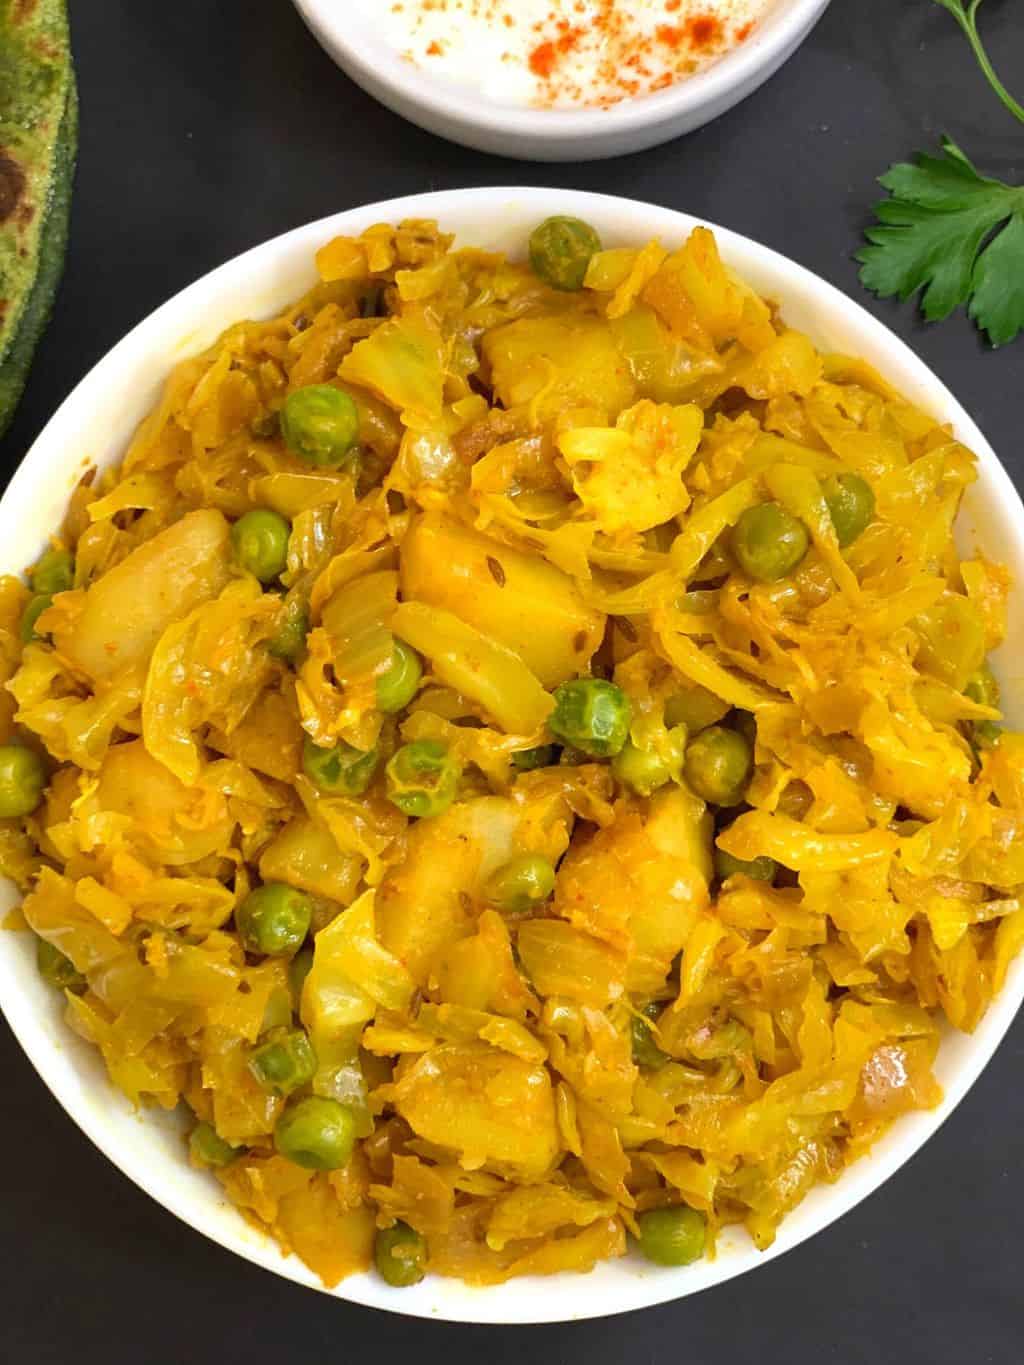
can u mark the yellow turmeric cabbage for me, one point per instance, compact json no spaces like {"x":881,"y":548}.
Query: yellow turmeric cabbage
{"x":597,"y":983}
{"x":629,"y":478}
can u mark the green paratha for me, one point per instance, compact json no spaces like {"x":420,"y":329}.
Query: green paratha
{"x":38,"y":140}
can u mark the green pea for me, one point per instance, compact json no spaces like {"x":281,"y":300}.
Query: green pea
{"x":718,"y":765}
{"x":289,"y":642}
{"x":400,"y":1255}
{"x":208,"y":1148}
{"x":274,"y":920}
{"x":33,"y":610}
{"x":696,"y":708}
{"x":984,"y":689}
{"x":561,"y":249}
{"x":317,"y":1133}
{"x":769,"y":542}
{"x":260,"y":543}
{"x":851,"y":505}
{"x":423,"y":778}
{"x":592,"y":715}
{"x":522,"y":884}
{"x":340,"y":770}
{"x":646,"y":1052}
{"x":543,"y":756}
{"x":672,"y":1236}
{"x":298,"y":969}
{"x":58,"y":970}
{"x":645,"y":770}
{"x":762,"y":869}
{"x":22,"y":779}
{"x":320,"y":424}
{"x":54,"y":573}
{"x":397,"y":687}
{"x":284,"y":1064}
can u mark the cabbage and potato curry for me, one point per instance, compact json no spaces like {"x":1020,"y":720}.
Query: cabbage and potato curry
{"x":511,"y":753}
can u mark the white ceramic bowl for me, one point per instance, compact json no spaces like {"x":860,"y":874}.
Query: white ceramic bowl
{"x":468,"y":116}
{"x":94,"y":424}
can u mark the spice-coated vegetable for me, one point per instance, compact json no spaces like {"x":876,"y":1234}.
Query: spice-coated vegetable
{"x":548,"y":850}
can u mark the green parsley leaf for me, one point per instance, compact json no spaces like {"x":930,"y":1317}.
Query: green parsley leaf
{"x":955,"y":235}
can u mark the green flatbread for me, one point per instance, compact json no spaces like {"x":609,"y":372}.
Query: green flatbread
{"x":38,"y":142}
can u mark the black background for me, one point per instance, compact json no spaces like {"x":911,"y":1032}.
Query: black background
{"x":210,"y":125}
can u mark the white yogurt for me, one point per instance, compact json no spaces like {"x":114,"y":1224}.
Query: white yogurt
{"x":564,"y":53}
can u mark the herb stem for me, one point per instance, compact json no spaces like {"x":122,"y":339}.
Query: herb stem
{"x":968,"y":21}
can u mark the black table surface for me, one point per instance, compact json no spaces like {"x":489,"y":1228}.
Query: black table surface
{"x":211,"y":125}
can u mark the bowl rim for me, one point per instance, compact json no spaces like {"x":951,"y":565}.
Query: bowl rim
{"x":182,"y":316}
{"x":380,"y":67}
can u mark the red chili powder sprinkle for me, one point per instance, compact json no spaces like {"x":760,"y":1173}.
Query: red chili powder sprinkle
{"x":542,"y":60}
{"x":627,"y":52}
{"x":544,"y":55}
{"x":696,"y":33}
{"x":703,"y":30}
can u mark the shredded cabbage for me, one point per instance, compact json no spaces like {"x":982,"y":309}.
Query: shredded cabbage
{"x":547,"y":487}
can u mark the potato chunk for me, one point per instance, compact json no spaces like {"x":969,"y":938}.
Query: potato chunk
{"x":427,"y":902}
{"x":305,"y":855}
{"x":557,"y":363}
{"x":175,"y":823}
{"x":529,"y":606}
{"x":641,"y":883}
{"x":489,"y":1108}
{"x":128,"y":609}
